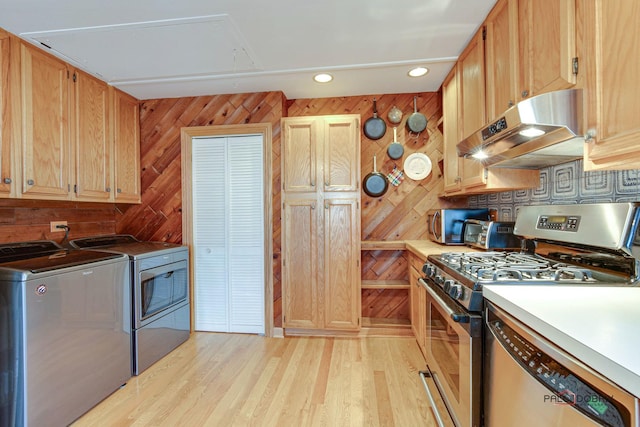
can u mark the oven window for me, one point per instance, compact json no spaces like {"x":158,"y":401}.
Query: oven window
{"x":162,"y":290}
{"x":444,"y":345}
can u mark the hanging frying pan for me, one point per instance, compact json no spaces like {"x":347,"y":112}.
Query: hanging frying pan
{"x":395,"y":150}
{"x":374,"y":128}
{"x":375,"y":184}
{"x":416,"y":122}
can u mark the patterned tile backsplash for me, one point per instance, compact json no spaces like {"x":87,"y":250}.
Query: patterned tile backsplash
{"x":564,"y":184}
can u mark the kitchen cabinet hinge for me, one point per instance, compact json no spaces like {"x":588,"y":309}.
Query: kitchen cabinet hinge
{"x":575,"y":64}
{"x":75,"y":188}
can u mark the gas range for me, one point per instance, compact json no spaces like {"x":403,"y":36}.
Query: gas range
{"x":571,"y":247}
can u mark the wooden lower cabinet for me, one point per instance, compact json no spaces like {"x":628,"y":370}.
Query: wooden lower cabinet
{"x":321,"y":263}
{"x":341,"y":258}
{"x":418,"y":298}
{"x":300,"y":264}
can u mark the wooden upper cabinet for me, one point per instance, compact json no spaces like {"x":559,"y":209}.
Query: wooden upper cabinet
{"x":45,"y":108}
{"x":451,"y":132}
{"x":471,"y":72}
{"x":7,"y":177}
{"x":92,"y":142}
{"x":501,"y":50}
{"x":319,"y":152}
{"x":299,"y":146}
{"x":126,"y":137}
{"x":612,"y":40}
{"x":341,"y":157}
{"x":547,"y":45}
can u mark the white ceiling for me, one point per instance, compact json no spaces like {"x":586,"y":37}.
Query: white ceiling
{"x":164,"y":49}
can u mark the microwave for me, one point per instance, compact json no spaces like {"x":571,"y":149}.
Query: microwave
{"x":446,"y":226}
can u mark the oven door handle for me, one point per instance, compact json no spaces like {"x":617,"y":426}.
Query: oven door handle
{"x":456,"y":316}
{"x":423,"y":376}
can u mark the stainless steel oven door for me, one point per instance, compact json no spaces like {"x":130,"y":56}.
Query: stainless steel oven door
{"x":158,"y":289}
{"x":454,"y":351}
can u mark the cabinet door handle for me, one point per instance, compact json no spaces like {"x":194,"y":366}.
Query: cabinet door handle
{"x":326,"y":205}
{"x":30,"y":182}
{"x":119,"y":190}
{"x":313,"y":184}
{"x":108,"y":189}
{"x":7,"y":180}
{"x":313,"y":205}
{"x":525,"y":93}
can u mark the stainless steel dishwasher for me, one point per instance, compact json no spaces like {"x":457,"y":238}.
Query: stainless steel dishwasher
{"x":531,"y":382}
{"x":65,"y":331}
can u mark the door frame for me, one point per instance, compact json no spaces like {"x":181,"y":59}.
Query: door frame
{"x":186,"y":136}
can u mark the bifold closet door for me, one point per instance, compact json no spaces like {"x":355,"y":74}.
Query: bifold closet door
{"x":228,"y":233}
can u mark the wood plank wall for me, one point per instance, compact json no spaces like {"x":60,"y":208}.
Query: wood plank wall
{"x":22,"y":220}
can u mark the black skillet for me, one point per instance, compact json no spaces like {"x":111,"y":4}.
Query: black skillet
{"x":374,"y":127}
{"x":375,"y":184}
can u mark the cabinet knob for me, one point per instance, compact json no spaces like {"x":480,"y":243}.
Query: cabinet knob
{"x":108,"y":189}
{"x":525,"y":93}
{"x":119,"y":190}
{"x":313,"y":205}
{"x":313,"y":184}
{"x":326,"y":205}
{"x":7,"y":180}
{"x":30,"y":182}
{"x":590,"y":135}
{"x":511,"y":103}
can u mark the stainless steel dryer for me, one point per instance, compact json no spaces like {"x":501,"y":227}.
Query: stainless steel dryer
{"x":161,"y":316}
{"x":65,"y":334}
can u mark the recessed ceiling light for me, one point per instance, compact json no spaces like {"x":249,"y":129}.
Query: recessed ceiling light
{"x":323,"y":78}
{"x":418,"y":71}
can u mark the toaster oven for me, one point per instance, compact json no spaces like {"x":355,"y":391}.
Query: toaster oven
{"x":490,"y":234}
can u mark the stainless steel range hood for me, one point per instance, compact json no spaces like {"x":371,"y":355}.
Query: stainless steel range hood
{"x":553,"y":122}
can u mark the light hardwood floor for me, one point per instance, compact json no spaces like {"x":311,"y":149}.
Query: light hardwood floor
{"x":247,"y":380}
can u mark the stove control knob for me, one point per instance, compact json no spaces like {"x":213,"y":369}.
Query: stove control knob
{"x":455,"y":291}
{"x":429,"y":269}
{"x":439,"y":280}
{"x":448,"y":284}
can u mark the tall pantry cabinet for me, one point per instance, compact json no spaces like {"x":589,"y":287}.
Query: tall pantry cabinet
{"x":321,"y":222}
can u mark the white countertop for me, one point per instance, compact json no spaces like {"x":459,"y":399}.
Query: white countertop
{"x":600,"y":326}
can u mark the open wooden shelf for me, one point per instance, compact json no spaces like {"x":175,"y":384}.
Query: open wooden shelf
{"x":385,"y":284}
{"x":383,"y":245}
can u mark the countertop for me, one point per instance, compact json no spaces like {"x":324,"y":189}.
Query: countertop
{"x":423,"y":248}
{"x":600,"y":326}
